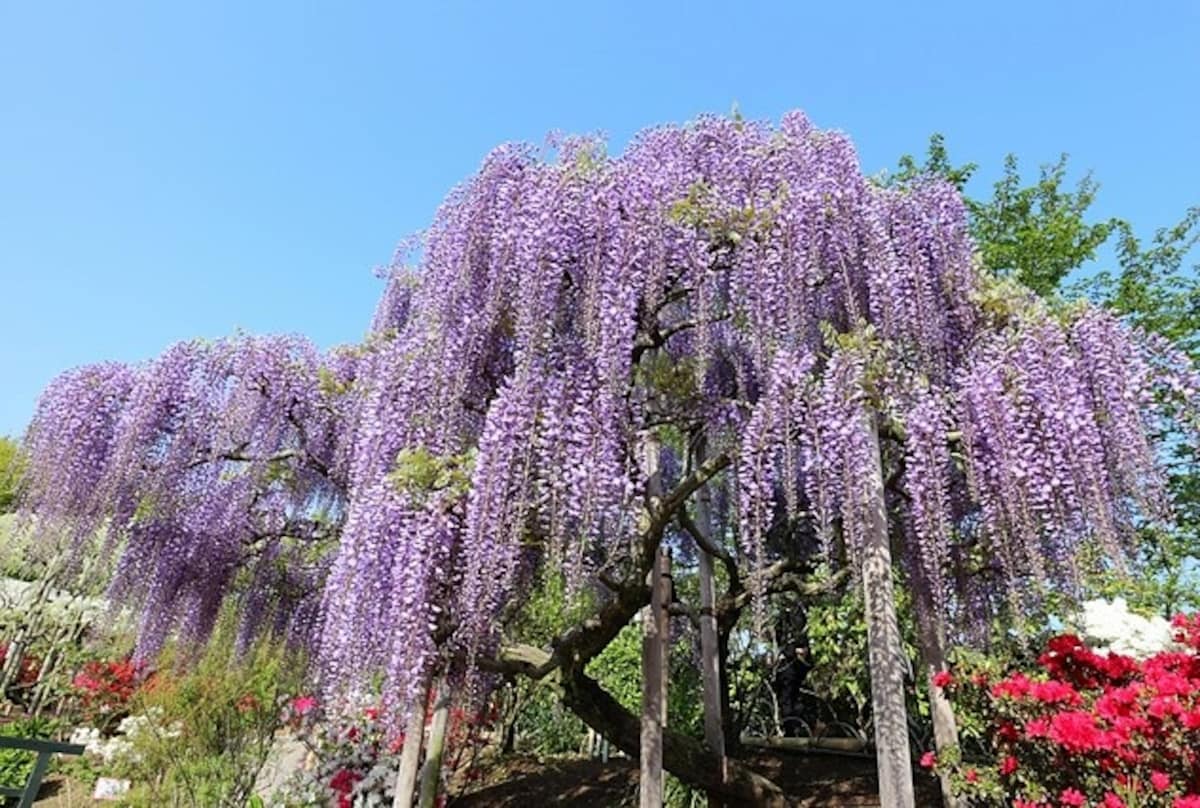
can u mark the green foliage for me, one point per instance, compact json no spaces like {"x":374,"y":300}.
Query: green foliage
{"x":420,"y":471}
{"x":1154,"y":288}
{"x":16,"y":765}
{"x":211,"y":722}
{"x":329,"y":384}
{"x":618,"y":668}
{"x":12,"y":465}
{"x":837,"y":636}
{"x":937,"y":164}
{"x":1037,"y":235}
{"x":14,"y":549}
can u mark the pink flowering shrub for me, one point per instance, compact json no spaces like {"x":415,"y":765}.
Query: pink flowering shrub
{"x":1085,"y":729}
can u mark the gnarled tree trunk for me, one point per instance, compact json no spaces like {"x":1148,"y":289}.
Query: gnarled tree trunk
{"x":684,"y":757}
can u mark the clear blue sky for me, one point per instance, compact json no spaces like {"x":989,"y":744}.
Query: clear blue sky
{"x":170,"y":170}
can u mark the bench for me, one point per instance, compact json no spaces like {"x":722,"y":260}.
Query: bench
{"x":44,"y":750}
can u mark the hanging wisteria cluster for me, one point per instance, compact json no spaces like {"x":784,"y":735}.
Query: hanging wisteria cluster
{"x":215,"y":460}
{"x":728,"y":283}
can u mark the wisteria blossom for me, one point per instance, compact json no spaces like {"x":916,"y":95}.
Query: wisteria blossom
{"x":727,"y":283}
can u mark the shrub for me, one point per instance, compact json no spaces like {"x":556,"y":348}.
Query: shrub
{"x":16,"y":765}
{"x":105,"y":689}
{"x":198,"y":730}
{"x":356,"y":761}
{"x":1086,"y":728}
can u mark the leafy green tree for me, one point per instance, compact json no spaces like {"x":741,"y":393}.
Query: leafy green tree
{"x":1036,"y":234}
{"x":1042,"y":235}
{"x":1156,"y":289}
{"x":11,"y":463}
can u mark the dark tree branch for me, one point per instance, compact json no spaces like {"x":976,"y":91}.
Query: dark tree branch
{"x":711,"y":547}
{"x":785,"y":575}
{"x":678,"y":497}
{"x":686,"y":758}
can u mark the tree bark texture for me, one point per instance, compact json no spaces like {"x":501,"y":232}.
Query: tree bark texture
{"x":884,"y":643}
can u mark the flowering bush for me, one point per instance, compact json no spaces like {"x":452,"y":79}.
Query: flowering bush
{"x":121,"y":750}
{"x":352,"y":763}
{"x":1087,"y":729}
{"x":106,"y":688}
{"x":355,"y":764}
{"x":1110,"y":626}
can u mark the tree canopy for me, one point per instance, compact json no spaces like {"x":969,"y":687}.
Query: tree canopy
{"x":584,"y":346}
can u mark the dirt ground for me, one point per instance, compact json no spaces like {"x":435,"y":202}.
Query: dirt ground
{"x":815,"y":781}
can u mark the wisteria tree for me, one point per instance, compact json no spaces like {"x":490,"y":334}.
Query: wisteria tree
{"x":726,"y":339}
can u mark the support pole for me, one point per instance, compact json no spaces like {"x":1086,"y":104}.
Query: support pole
{"x":710,"y":663}
{"x":885,"y":648}
{"x":654,"y":682}
{"x":931,"y":637}
{"x":410,"y":755}
{"x":431,"y":774}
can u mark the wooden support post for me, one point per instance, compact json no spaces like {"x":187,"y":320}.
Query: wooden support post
{"x":410,"y":755}
{"x":654,"y":682}
{"x":431,"y":774}
{"x":884,"y":644}
{"x":710,"y":662}
{"x":931,"y":638}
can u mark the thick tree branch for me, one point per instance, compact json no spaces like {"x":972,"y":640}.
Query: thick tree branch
{"x":785,"y":575}
{"x":578,"y":644}
{"x":684,"y":757}
{"x":711,"y":547}
{"x":678,"y":497}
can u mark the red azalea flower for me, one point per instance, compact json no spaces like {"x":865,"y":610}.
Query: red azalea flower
{"x":1163,"y":707}
{"x":1190,"y":801}
{"x":943,"y":679}
{"x":1009,"y":765}
{"x":343,"y":782}
{"x":1160,"y":781}
{"x":1015,"y":687}
{"x":1054,"y":693}
{"x":303,"y":705}
{"x":1117,"y":702}
{"x":929,"y":760}
{"x":85,"y":682}
{"x":972,"y":776}
{"x":1076,"y":732}
{"x":1111,"y":800}
{"x":1072,"y":797}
